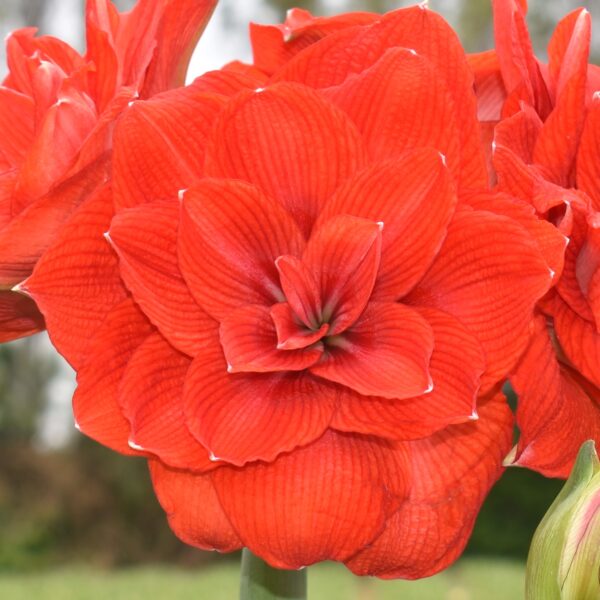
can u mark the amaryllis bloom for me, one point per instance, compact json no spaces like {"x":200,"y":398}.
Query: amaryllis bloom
{"x":57,"y":113}
{"x":546,"y":152}
{"x":292,"y":303}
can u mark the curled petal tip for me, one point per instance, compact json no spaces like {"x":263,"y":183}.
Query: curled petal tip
{"x":430,"y":387}
{"x":381,"y":225}
{"x":474,"y":416}
{"x":552,"y":273}
{"x":443,"y":157}
{"x":230,"y":368}
{"x":213,"y":458}
{"x":259,"y":90}
{"x":181,"y":194}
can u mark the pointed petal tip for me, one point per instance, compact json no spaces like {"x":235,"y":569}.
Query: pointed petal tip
{"x":510,"y":458}
{"x":213,"y":457}
{"x":134,"y":446}
{"x":21,"y":288}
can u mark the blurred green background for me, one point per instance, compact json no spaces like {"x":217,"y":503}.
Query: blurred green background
{"x":80,"y":522}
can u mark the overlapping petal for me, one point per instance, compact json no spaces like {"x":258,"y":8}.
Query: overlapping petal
{"x":310,"y":521}
{"x":230,"y":237}
{"x":452,"y":473}
{"x":145,"y":239}
{"x":279,"y":139}
{"x":244,"y":417}
{"x":497,"y":308}
{"x":457,"y":363}
{"x":385,"y":353}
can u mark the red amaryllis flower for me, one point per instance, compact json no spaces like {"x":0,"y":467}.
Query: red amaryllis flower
{"x":305,"y":316}
{"x":546,"y":152}
{"x":57,"y":111}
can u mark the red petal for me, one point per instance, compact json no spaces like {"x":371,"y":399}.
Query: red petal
{"x":302,"y":508}
{"x":288,"y":141}
{"x":159,"y":145}
{"x":16,"y":125}
{"x":29,"y":234}
{"x":518,"y":64}
{"x":247,"y":417}
{"x":588,"y":156}
{"x":181,"y":25}
{"x":496,"y":308}
{"x":291,"y":333}
{"x":452,"y":473}
{"x":400,"y":104}
{"x":556,"y":147}
{"x":334,"y":59}
{"x":19,"y":317}
{"x":489,"y":85}
{"x":145,"y":239}
{"x":76,"y":282}
{"x":386,"y":353}
{"x":95,"y":403}
{"x":456,"y":366}
{"x":343,"y":254}
{"x":66,"y":125}
{"x":557,"y":410}
{"x":250,"y":344}
{"x":414,"y":199}
{"x":229,"y":83}
{"x":300,"y":289}
{"x":193,"y":508}
{"x":274,"y":45}
{"x":151,"y":398}
{"x":579,"y":340}
{"x":551,"y":242}
{"x":230,"y":236}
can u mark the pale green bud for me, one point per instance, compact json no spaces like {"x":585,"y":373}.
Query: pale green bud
{"x":564,"y":559}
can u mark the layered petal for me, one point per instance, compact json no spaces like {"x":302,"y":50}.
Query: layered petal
{"x":250,"y":344}
{"x":29,"y":234}
{"x":414,"y":199}
{"x":180,"y":27}
{"x":557,"y":411}
{"x":588,"y":165}
{"x":159,"y":145}
{"x":496,"y":308}
{"x":336,"y":58}
{"x":343,"y":254}
{"x":279,"y":139}
{"x":230,"y":237}
{"x":145,"y":239}
{"x":274,"y":45}
{"x":456,"y":366}
{"x":76,"y":282}
{"x":194,"y":511}
{"x":95,"y":403}
{"x":452,"y":472}
{"x":244,"y":417}
{"x":385,"y":353}
{"x":284,"y":513}
{"x":151,"y":398}
{"x":401,"y":103}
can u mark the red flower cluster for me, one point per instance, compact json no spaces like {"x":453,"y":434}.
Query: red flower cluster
{"x":298,"y":296}
{"x":57,"y":112}
{"x":546,"y":151}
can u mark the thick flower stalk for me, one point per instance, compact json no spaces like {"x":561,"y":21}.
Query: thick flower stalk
{"x":57,"y":114}
{"x":298,"y":299}
{"x":545,"y":122}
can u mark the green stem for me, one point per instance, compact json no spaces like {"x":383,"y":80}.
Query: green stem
{"x":261,"y":582}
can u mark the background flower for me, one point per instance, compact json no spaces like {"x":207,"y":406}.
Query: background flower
{"x":57,"y":112}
